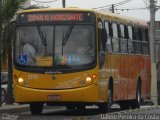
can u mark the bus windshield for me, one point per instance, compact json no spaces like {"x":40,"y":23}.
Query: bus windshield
{"x":43,"y":46}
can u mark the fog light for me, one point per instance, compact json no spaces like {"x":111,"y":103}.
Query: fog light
{"x":88,"y":79}
{"x":20,"y":80}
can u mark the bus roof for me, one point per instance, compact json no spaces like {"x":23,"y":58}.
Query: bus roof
{"x":122,"y":19}
{"x":107,"y":15}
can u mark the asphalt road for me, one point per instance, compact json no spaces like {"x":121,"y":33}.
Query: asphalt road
{"x":92,"y":113}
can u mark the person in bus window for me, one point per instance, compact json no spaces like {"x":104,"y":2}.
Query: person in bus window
{"x":30,"y":51}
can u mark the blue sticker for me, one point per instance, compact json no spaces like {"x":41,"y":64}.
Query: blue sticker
{"x":23,"y":59}
{"x":73,"y":58}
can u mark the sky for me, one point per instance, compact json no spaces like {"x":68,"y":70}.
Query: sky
{"x":133,"y":4}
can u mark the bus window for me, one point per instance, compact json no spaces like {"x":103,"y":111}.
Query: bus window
{"x":80,"y":46}
{"x":130,"y":32}
{"x":145,"y":44}
{"x":130,"y":41}
{"x":115,"y":39}
{"x":109,"y":42}
{"x":140,"y":33}
{"x":34,"y":43}
{"x":107,"y":28}
{"x":110,"y":29}
{"x":123,"y":38}
{"x":122,"y":31}
{"x":137,"y":38}
{"x":147,"y":34}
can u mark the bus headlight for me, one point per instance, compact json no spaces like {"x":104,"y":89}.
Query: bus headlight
{"x":88,"y":79}
{"x":20,"y":80}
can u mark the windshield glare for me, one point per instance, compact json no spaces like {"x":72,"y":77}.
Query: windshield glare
{"x":43,"y":46}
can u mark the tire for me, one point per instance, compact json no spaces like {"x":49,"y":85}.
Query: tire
{"x":3,"y":96}
{"x":110,"y":100}
{"x":36,"y":108}
{"x":137,"y":102}
{"x":106,"y":107}
{"x":124,"y":105}
{"x":70,"y":107}
{"x":80,"y":107}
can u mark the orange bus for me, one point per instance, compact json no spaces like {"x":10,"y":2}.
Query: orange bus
{"x":78,"y":57}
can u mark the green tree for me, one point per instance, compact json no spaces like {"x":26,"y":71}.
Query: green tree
{"x":8,"y":9}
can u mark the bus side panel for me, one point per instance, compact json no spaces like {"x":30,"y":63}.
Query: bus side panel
{"x":123,"y":71}
{"x":133,"y":69}
{"x":115,"y":65}
{"x":146,"y":78}
{"x":111,"y":69}
{"x":104,"y":73}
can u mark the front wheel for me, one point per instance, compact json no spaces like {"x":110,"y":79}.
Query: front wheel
{"x":70,"y":107}
{"x":80,"y":107}
{"x":106,"y":107}
{"x":3,"y":96}
{"x":36,"y":108}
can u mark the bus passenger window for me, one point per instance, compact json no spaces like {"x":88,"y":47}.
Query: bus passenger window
{"x":147,"y":34}
{"x":137,"y":37}
{"x":122,"y":31}
{"x":140,"y":34}
{"x":107,"y":28}
{"x":145,"y":44}
{"x":115,"y":39}
{"x":109,"y":41}
{"x":131,"y":42}
{"x":123,"y":39}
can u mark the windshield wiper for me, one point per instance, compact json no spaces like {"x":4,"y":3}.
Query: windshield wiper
{"x":43,"y":38}
{"x":66,"y":37}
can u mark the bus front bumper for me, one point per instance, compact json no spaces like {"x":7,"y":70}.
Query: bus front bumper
{"x":29,"y":95}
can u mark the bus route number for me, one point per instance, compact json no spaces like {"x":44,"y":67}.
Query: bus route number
{"x":31,"y":77}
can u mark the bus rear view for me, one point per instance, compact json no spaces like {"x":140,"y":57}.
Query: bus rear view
{"x":55,"y":59}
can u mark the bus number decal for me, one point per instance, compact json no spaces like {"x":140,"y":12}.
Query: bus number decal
{"x":31,"y":77}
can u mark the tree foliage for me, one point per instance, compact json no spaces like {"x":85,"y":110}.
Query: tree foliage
{"x":8,"y":8}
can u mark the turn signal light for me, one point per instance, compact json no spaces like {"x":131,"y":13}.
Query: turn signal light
{"x":94,"y":76}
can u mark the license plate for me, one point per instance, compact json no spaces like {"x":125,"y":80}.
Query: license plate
{"x":54,"y":97}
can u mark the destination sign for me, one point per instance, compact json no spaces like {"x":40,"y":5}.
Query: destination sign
{"x":81,"y":17}
{"x":55,"y":17}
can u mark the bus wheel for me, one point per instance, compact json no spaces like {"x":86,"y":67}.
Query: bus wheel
{"x":137,"y":102}
{"x":3,"y":96}
{"x":110,"y":99}
{"x":36,"y":108}
{"x":102,"y":107}
{"x":106,"y":107}
{"x":80,"y":107}
{"x":124,"y":105}
{"x":70,"y":107}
